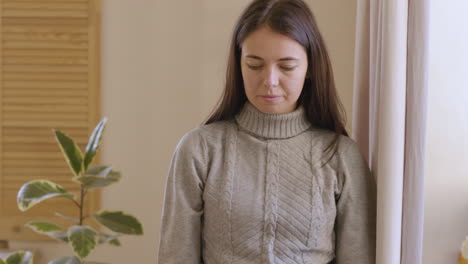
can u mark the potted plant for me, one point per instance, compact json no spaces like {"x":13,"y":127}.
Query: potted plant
{"x":19,"y":257}
{"x":82,"y":238}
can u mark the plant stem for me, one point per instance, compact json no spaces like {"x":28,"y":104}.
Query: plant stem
{"x":81,"y":203}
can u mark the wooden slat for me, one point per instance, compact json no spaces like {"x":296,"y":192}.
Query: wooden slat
{"x":20,"y":171}
{"x":42,"y":117}
{"x":46,"y":69}
{"x":45,"y":85}
{"x":32,"y":155}
{"x":49,"y":77}
{"x":65,"y":179}
{"x":44,"y":13}
{"x":33,"y":21}
{"x":45,"y":124}
{"x":39,"y":147}
{"x":33,"y":163}
{"x":42,"y":132}
{"x":35,"y":139}
{"x":8,"y":60}
{"x":45,"y":92}
{"x":21,"y":147}
{"x":36,"y":162}
{"x":45,"y":53}
{"x":50,"y":29}
{"x":17,"y":44}
{"x":43,"y":5}
{"x":36,"y":36}
{"x":46,"y":100}
{"x":46,"y":108}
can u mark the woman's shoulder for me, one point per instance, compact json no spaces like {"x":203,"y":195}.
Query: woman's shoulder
{"x":350,"y":155}
{"x":344,"y":150}
{"x":325,"y":137}
{"x":347,"y":146}
{"x":206,"y":133}
{"x":216,"y":127}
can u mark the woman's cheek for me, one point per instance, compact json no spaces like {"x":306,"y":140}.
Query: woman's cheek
{"x":253,"y":82}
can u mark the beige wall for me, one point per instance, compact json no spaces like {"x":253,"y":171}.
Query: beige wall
{"x":163,"y":66}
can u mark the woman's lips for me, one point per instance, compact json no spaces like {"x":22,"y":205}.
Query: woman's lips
{"x":270,"y":98}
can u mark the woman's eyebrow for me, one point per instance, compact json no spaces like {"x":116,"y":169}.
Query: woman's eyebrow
{"x":254,"y":57}
{"x":260,"y":58}
{"x":288,"y":59}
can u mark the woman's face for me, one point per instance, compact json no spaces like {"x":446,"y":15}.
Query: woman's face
{"x":274,"y":68}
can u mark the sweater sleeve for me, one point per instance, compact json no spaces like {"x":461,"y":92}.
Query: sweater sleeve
{"x":180,"y":239}
{"x":355,"y":224}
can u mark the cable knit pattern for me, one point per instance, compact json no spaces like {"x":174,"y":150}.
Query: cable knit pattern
{"x":271,"y":203}
{"x":256,"y":190}
{"x":230,"y":161}
{"x":296,"y":202}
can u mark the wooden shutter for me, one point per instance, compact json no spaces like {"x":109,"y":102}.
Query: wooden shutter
{"x":49,"y":78}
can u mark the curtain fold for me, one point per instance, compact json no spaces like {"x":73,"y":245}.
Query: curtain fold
{"x":415,"y":149}
{"x":389,"y":118}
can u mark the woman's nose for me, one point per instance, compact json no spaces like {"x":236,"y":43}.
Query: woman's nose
{"x":271,"y":78}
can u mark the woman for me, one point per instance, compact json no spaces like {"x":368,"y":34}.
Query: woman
{"x":271,"y":177}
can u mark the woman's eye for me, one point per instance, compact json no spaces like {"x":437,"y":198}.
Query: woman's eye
{"x":253,"y":67}
{"x":284,"y":68}
{"x":287,"y":68}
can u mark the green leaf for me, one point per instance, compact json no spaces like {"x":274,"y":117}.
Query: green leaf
{"x":115,"y":242}
{"x":99,"y":170}
{"x":93,"y":142}
{"x":111,"y":239}
{"x":36,"y":191}
{"x":83,"y":240}
{"x":20,"y":257}
{"x":48,"y":229}
{"x":71,"y":152}
{"x":61,"y":236}
{"x":66,"y":260}
{"x":97,"y":177}
{"x":74,"y":220}
{"x":43,"y":227}
{"x":1,"y":261}
{"x":119,"y":222}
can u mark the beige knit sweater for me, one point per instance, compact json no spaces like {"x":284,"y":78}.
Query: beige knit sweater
{"x":253,"y":190}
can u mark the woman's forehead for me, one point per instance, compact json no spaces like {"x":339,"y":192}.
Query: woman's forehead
{"x":264,"y":43}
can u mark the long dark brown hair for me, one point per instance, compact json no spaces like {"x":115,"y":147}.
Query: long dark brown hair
{"x":294,"y":19}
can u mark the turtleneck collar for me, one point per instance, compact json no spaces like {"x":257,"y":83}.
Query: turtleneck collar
{"x":272,"y":126}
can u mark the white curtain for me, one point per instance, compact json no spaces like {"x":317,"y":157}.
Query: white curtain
{"x":389,"y":118}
